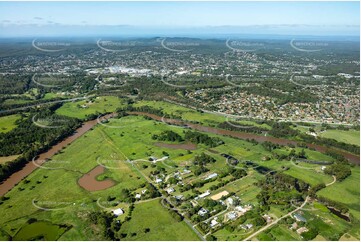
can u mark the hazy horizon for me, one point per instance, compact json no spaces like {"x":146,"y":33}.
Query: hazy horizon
{"x":25,"y":19}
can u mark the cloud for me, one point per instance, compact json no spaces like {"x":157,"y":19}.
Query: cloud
{"x":38,"y":18}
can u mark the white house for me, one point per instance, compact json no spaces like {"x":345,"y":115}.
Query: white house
{"x":213,"y":223}
{"x":232,"y":215}
{"x":204,"y":194}
{"x":118,"y":212}
{"x":202,"y":212}
{"x":170,"y":190}
{"x":213,"y":175}
{"x":230,"y":201}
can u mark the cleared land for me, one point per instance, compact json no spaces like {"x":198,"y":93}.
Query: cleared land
{"x":81,"y":109}
{"x":161,"y":225}
{"x":350,"y":137}
{"x":5,"y":159}
{"x":346,"y":191}
{"x":7,"y":123}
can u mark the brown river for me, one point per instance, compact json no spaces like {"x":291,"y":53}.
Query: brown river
{"x":15,"y":178}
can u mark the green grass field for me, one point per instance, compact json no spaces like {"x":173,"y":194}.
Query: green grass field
{"x":162,"y":225}
{"x":346,"y":191}
{"x":82,"y":108}
{"x":350,"y":137}
{"x":7,"y":123}
{"x":39,"y":231}
{"x":282,"y":233}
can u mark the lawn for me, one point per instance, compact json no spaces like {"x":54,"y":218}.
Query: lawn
{"x":7,"y":123}
{"x":162,"y":225}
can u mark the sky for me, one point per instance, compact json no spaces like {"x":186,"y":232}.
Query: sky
{"x":18,"y":18}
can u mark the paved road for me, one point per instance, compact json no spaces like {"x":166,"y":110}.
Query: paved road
{"x":277,"y":220}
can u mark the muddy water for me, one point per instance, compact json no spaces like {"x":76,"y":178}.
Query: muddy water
{"x":241,"y":135}
{"x":187,"y":146}
{"x":15,"y":178}
{"x":89,"y":182}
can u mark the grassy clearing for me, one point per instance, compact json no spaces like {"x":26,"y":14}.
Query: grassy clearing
{"x":162,"y":225}
{"x":81,"y":109}
{"x":39,"y":231}
{"x":347,"y":237}
{"x":350,"y":137}
{"x":5,"y":159}
{"x":346,"y":191}
{"x":310,"y":176}
{"x":7,"y":123}
{"x":282,"y":233}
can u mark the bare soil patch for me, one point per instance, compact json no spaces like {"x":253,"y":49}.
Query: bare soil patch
{"x":89,"y":182}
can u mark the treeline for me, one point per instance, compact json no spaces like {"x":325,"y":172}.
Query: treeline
{"x":283,"y":130}
{"x":109,"y":225}
{"x":199,"y":138}
{"x":148,"y":109}
{"x":168,"y":135}
{"x":203,"y":159}
{"x":175,"y":214}
{"x":190,"y":136}
{"x":233,"y":126}
{"x":30,"y":140}
{"x":330,"y":142}
{"x":337,"y":205}
{"x":339,"y":170}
